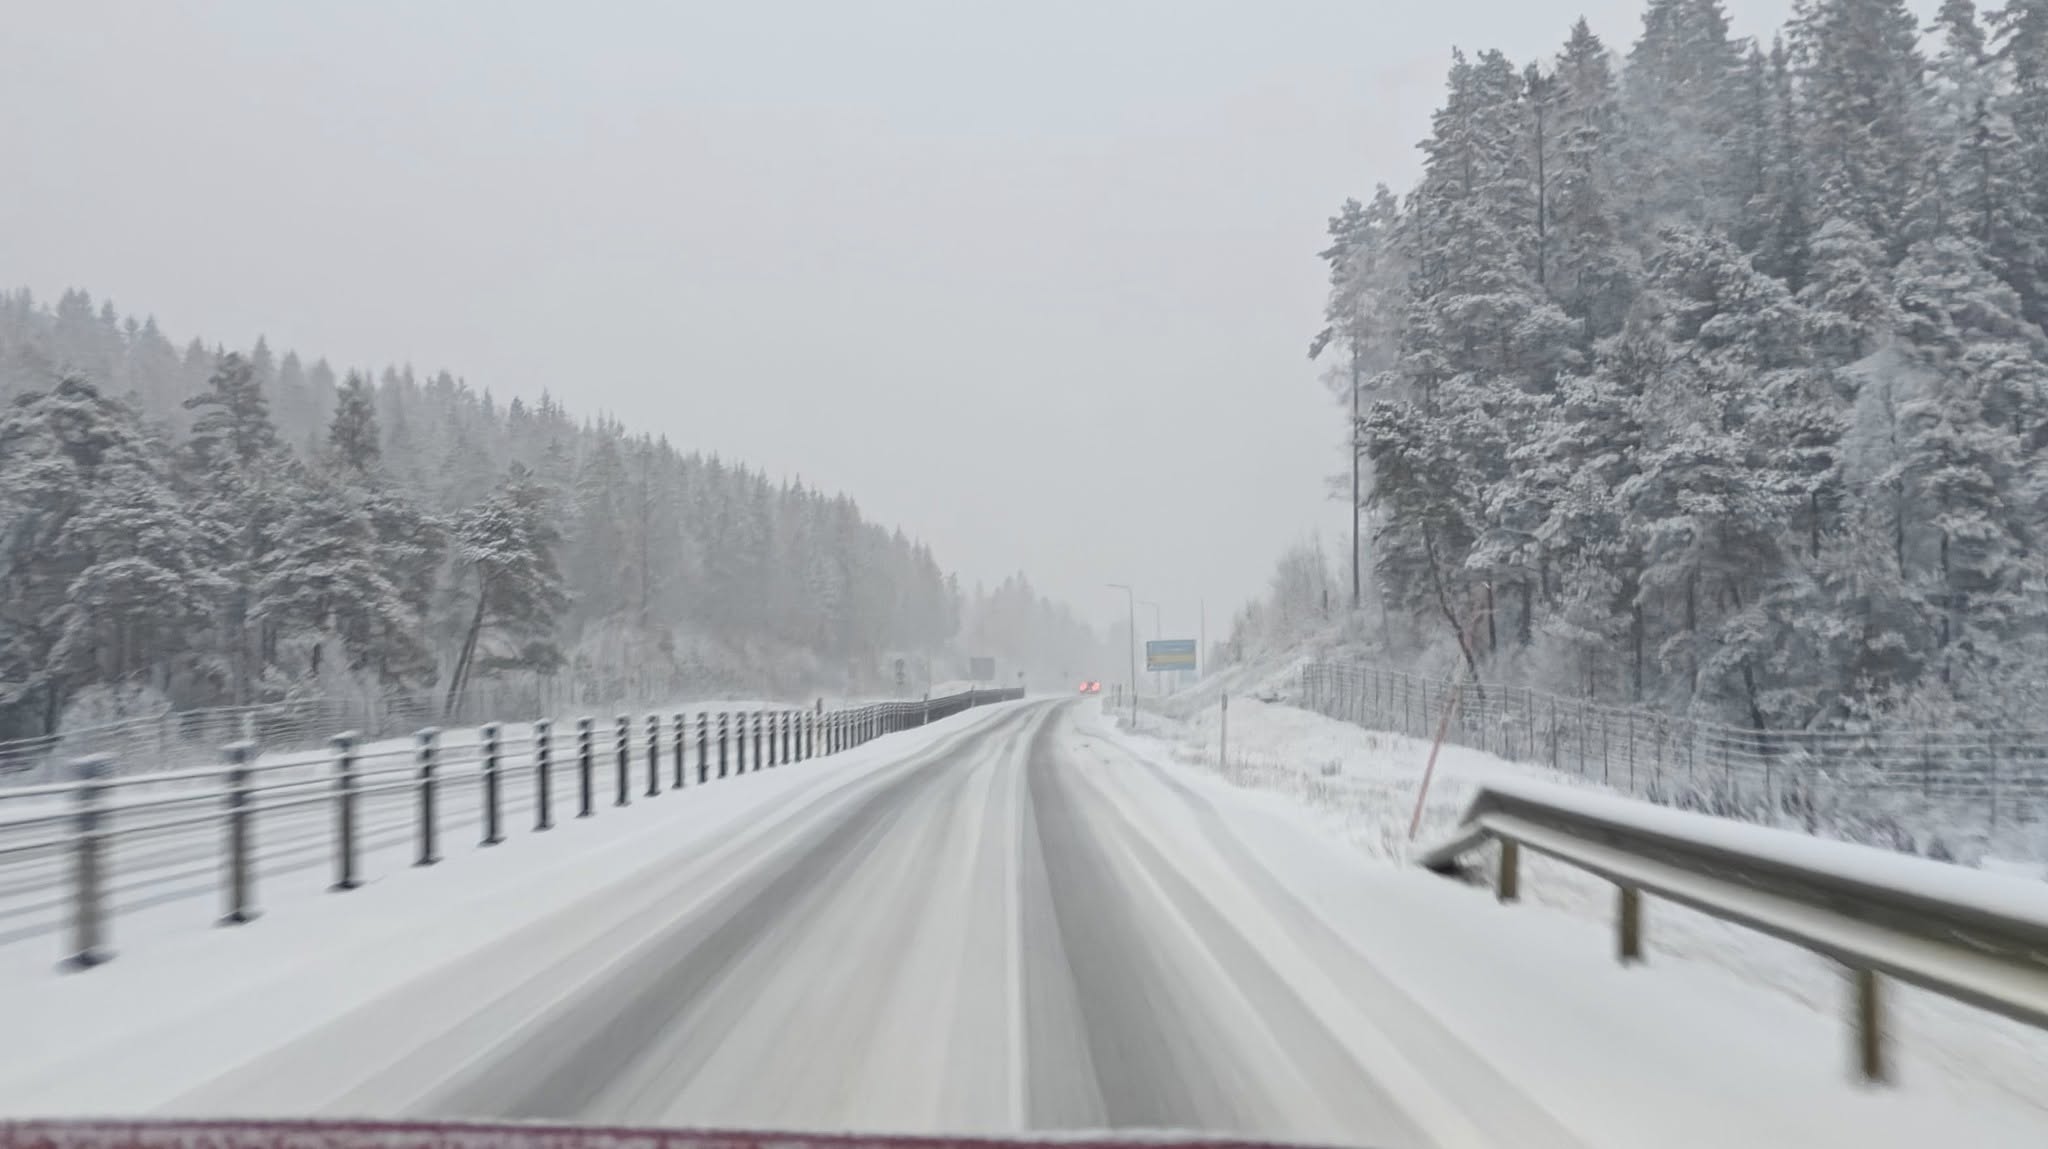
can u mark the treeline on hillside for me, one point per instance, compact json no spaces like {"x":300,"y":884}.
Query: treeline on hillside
{"x":200,"y":527}
{"x":1713,"y":377}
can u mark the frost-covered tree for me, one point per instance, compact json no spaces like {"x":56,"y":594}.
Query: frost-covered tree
{"x":1866,"y":100}
{"x":506,"y":545}
{"x":352,"y":435}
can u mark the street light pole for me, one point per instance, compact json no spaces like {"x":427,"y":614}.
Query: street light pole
{"x":1131,"y":601}
{"x":1158,"y":632}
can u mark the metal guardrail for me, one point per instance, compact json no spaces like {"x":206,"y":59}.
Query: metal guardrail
{"x":1944,"y":793}
{"x":1950,"y":930}
{"x":285,"y":811}
{"x":172,"y":739}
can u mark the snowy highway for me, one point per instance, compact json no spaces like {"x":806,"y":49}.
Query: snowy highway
{"x":980,"y":936}
{"x":1020,"y":919}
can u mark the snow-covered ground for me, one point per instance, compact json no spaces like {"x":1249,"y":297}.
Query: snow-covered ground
{"x":1018,"y":918}
{"x":1360,"y":787}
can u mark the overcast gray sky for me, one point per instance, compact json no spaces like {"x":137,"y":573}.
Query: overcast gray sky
{"x":1032,"y":279}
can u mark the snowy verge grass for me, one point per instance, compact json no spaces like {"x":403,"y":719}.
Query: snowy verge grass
{"x":1362,"y":786}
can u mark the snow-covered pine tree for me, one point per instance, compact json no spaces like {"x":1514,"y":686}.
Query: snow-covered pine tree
{"x":506,"y":547}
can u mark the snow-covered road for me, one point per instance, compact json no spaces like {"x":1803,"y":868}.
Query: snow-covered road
{"x":980,"y":936}
{"x":1017,"y":919}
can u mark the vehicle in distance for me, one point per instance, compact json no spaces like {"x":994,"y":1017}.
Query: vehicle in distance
{"x":1091,"y":687}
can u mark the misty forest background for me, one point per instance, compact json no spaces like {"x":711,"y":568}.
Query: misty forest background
{"x":202,"y":527}
{"x":1710,"y":375}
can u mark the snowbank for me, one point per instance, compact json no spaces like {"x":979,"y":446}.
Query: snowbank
{"x":1360,"y":785}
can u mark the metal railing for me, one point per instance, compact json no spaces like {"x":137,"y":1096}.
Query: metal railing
{"x":174,"y":739}
{"x":1956,"y":932}
{"x":255,"y":814}
{"x":1949,"y":794}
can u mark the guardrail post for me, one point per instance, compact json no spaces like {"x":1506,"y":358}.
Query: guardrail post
{"x":543,"y":818}
{"x":492,"y":836}
{"x":1629,"y":924}
{"x":653,"y":755}
{"x":88,"y":911}
{"x":1510,"y":887}
{"x":770,"y":758}
{"x":1868,"y":992}
{"x":1631,"y":751}
{"x":622,"y":729}
{"x":429,"y":753}
{"x":682,"y":728}
{"x":344,"y":812}
{"x":241,"y":903}
{"x":703,"y":748}
{"x":586,"y":765}
{"x":760,"y":753}
{"x":724,"y":728}
{"x":739,"y":742}
{"x":788,"y":736}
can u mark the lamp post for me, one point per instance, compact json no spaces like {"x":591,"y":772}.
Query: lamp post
{"x":1158,"y":632}
{"x":1131,"y":602}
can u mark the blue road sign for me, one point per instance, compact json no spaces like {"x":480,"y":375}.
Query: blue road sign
{"x":1170,"y":654}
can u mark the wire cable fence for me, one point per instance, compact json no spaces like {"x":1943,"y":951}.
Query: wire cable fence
{"x":1951,"y":794}
{"x":77,"y":854}
{"x":181,"y":739}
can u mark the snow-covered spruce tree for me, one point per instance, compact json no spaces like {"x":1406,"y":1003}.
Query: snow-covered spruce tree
{"x":101,"y":577}
{"x":1681,"y":118}
{"x":1866,"y":103}
{"x":1587,"y":267}
{"x":235,"y":473}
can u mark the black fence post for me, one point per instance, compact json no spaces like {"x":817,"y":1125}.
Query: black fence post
{"x":703,"y":747}
{"x":543,"y":818}
{"x":586,"y":764}
{"x":429,"y":754}
{"x":757,"y":741}
{"x":653,"y":755}
{"x":771,"y":758}
{"x":241,"y":892}
{"x":724,"y":730}
{"x":682,"y":728}
{"x":345,"y":812}
{"x":88,"y":914}
{"x":623,"y":744}
{"x":492,"y":835}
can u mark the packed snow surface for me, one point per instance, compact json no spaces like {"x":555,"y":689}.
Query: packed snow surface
{"x":1019,"y":919}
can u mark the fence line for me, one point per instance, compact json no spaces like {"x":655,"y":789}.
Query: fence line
{"x":75,"y":855}
{"x":1946,"y":793}
{"x":177,"y":739}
